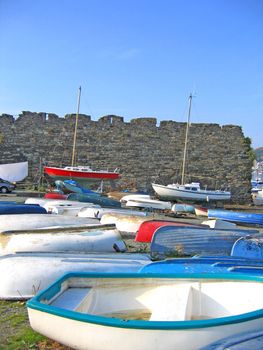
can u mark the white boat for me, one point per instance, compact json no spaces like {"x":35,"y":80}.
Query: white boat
{"x":24,"y":274}
{"x":125,"y":223}
{"x":128,"y":197}
{"x":219,"y":224}
{"x":85,"y":242}
{"x":70,"y":210}
{"x":145,"y":311}
{"x":62,"y":207}
{"x":113,"y":217}
{"x":98,"y":212}
{"x":148,"y":204}
{"x":63,"y":203}
{"x":191,"y":191}
{"x":201,"y":211}
{"x":131,"y":223}
{"x":18,"y":222}
{"x":258,"y":198}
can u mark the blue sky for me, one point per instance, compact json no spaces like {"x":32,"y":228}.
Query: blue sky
{"x":135,"y":58}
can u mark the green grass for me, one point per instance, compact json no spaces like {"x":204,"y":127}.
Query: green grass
{"x":15,"y":331}
{"x":25,"y":339}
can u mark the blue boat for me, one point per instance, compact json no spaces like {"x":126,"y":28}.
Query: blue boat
{"x":7,"y":202}
{"x":175,"y":241}
{"x":250,"y":247}
{"x":74,"y":186}
{"x":243,"y":341}
{"x":95,"y":199}
{"x":242,"y":218}
{"x":205,"y":265}
{"x":22,"y":209}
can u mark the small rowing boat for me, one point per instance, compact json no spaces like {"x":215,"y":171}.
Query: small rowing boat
{"x":144,"y":311}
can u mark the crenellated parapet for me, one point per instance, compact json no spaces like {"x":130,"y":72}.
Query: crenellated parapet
{"x":218,"y":156}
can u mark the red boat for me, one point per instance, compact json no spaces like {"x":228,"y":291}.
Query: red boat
{"x":147,"y":228}
{"x":53,"y":195}
{"x":81,"y":174}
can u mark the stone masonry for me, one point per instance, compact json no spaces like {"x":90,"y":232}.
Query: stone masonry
{"x":217,"y":157}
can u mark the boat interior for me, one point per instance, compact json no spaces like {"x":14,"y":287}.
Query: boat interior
{"x":158,"y":299}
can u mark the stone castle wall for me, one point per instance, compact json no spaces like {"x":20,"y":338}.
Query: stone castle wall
{"x":144,"y":152}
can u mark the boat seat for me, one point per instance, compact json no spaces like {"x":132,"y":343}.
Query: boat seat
{"x":71,"y":298}
{"x":175,"y":306}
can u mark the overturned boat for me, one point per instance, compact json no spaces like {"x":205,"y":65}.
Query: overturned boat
{"x":24,"y":274}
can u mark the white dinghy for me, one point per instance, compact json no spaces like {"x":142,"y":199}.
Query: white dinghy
{"x":112,"y":218}
{"x":149,"y":204}
{"x":125,"y":223}
{"x":63,"y":207}
{"x":145,"y":311}
{"x":129,"y":197}
{"x":85,"y":242}
{"x":18,"y":222}
{"x":24,"y":274}
{"x":98,"y":212}
{"x":70,"y":210}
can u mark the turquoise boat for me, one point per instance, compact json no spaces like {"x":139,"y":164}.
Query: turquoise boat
{"x":147,"y":311}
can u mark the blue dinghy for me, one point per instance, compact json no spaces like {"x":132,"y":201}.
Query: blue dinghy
{"x":22,"y":209}
{"x":74,"y":186}
{"x":172,"y":241}
{"x":242,"y":341}
{"x":205,"y":265}
{"x":250,"y":247}
{"x":95,"y":199}
{"x":242,"y":218}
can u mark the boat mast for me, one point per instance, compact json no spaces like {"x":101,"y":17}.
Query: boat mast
{"x":75,"y":133}
{"x":186,"y":136}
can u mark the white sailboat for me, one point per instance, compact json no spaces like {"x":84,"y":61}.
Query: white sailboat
{"x":191,"y":191}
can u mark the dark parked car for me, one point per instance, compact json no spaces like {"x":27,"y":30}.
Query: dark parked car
{"x":6,"y":186}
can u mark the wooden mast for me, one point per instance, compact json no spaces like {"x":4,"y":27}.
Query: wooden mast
{"x":75,"y":132}
{"x":186,"y":137}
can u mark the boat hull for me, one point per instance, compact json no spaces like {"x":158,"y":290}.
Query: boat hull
{"x":236,"y":217}
{"x":85,"y":242}
{"x":169,"y":324}
{"x":173,"y":194}
{"x":18,"y":284}
{"x":80,"y":176}
{"x":109,"y":338}
{"x":172,"y":241}
{"x":147,"y":228}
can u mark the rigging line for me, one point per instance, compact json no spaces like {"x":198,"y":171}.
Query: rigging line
{"x":76,"y":128}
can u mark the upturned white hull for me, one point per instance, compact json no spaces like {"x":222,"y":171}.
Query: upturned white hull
{"x":173,"y":192}
{"x":85,"y":242}
{"x":18,"y":222}
{"x":148,"y":204}
{"x":25,"y":274}
{"x":99,"y":212}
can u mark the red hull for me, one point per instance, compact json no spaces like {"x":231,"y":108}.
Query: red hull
{"x":61,"y":173}
{"x":53,"y":195}
{"x":147,"y":228}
